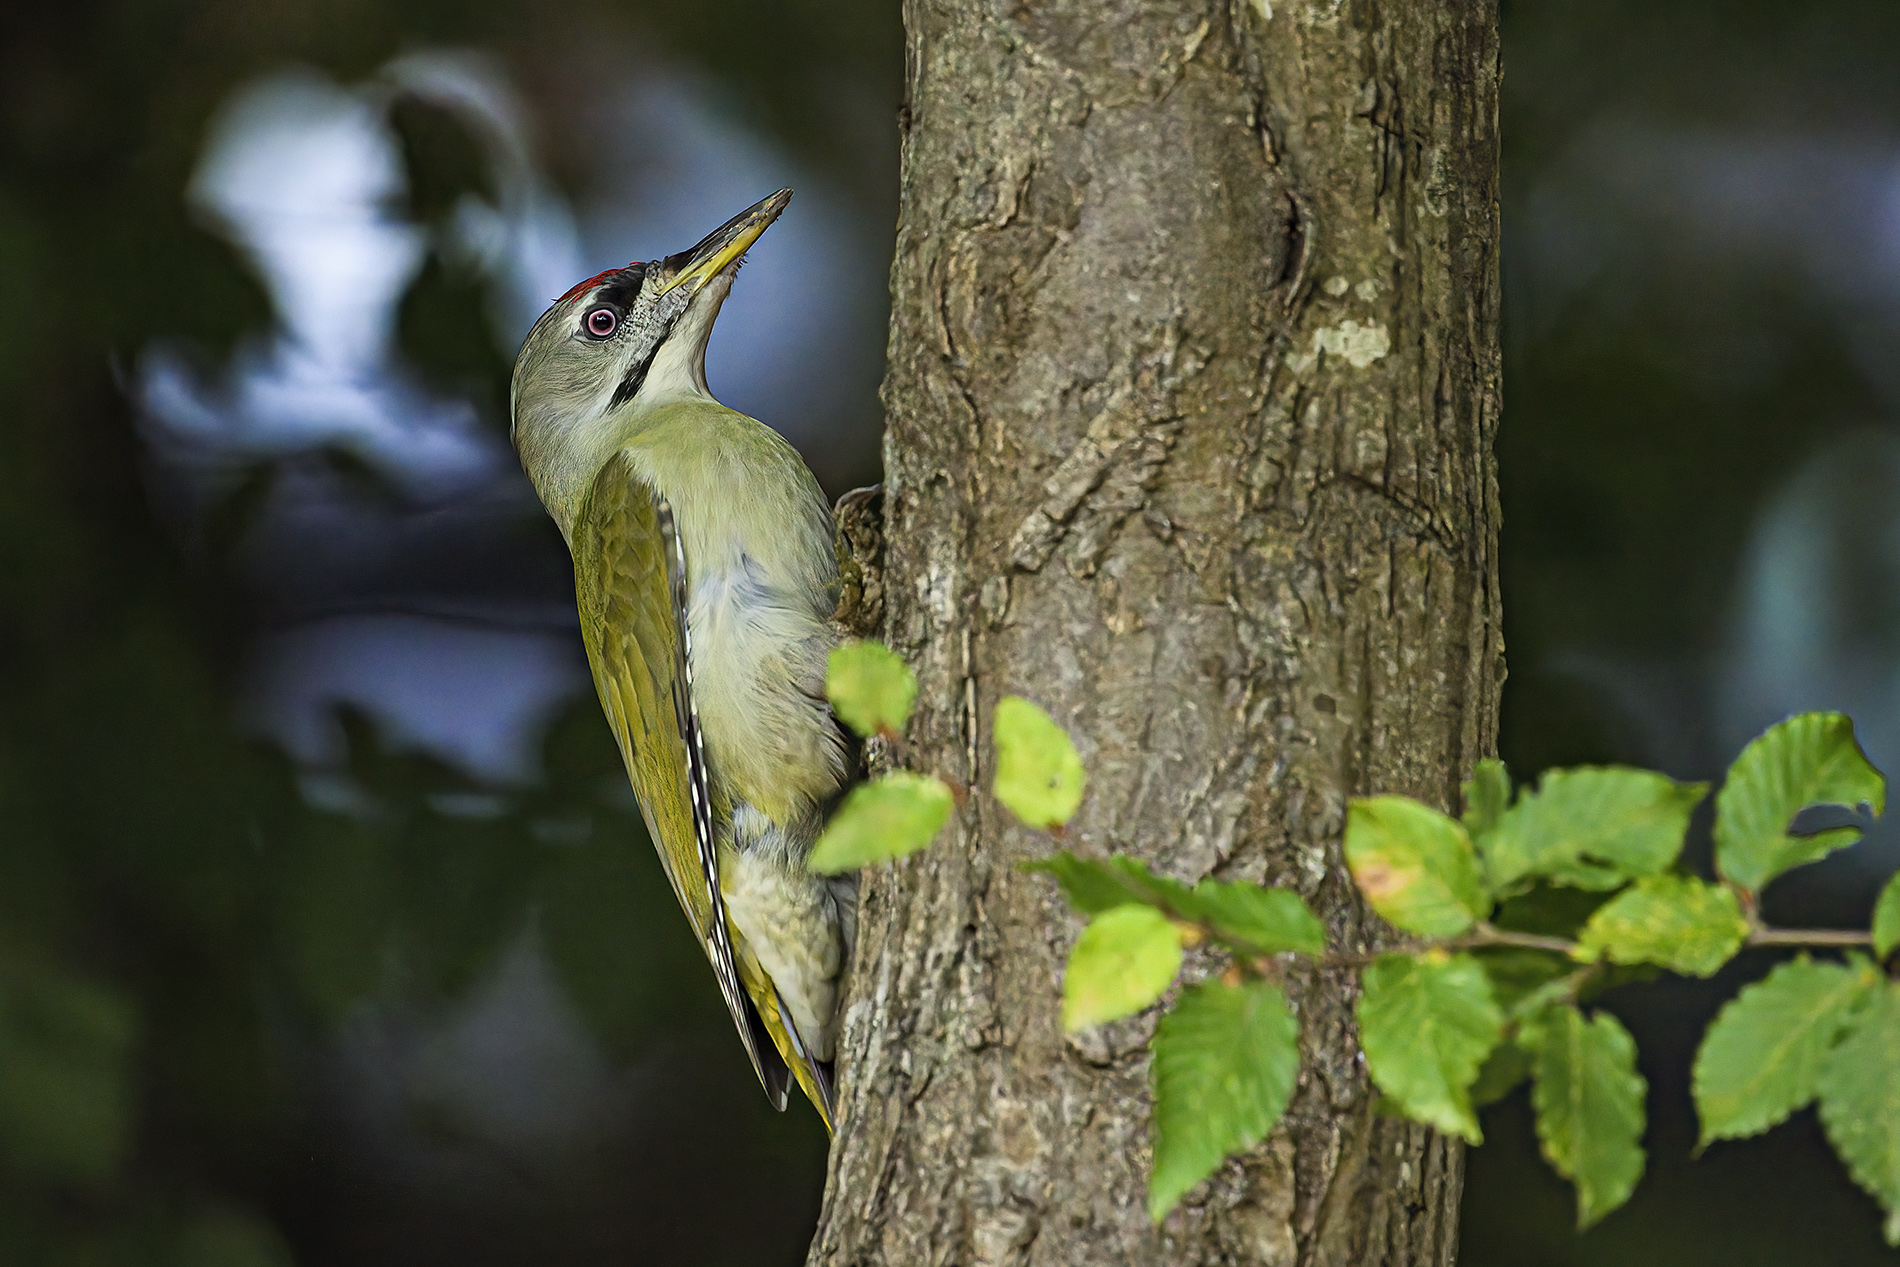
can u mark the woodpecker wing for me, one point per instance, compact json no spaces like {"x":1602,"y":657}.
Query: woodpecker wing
{"x":630,"y":581}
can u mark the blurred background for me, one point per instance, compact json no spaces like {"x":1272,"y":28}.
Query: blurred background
{"x":326,"y":932}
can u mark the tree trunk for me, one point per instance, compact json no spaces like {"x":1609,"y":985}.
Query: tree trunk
{"x":1192,"y":389}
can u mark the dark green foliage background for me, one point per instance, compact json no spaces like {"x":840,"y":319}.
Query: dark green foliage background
{"x":180,"y":932}
{"x":1641,"y":438}
{"x":181,"y":936}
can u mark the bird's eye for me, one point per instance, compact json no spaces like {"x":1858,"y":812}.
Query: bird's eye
{"x":601,"y":322}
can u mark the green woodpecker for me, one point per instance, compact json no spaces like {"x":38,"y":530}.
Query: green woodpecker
{"x":705,"y":577}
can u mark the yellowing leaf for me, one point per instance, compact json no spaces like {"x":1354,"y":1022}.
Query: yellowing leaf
{"x":1039,"y":776}
{"x":1121,"y":963}
{"x":1225,"y":1059}
{"x":870,"y":687}
{"x":1762,"y":1057}
{"x":1679,"y":922}
{"x":1589,"y":1102}
{"x":1427,"y":1022}
{"x":1415,"y":866}
{"x":1812,"y":759}
{"x":884,"y":819}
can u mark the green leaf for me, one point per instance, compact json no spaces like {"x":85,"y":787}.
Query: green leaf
{"x":1860,"y":1102}
{"x":1804,"y":761}
{"x":1268,"y":921}
{"x":1504,"y":1069}
{"x":1592,"y":828}
{"x":1589,"y":1103}
{"x":881,"y":820}
{"x":1225,"y":1060}
{"x":1549,"y":910}
{"x":870,"y":687}
{"x":1518,"y":976}
{"x":1487,"y":796}
{"x":1529,"y":1010}
{"x":1679,"y":922}
{"x":1427,"y":1022}
{"x":1263,"y":921}
{"x":1093,"y":885}
{"x":1039,"y":777}
{"x":1121,"y":963}
{"x":1763,"y":1054}
{"x":1415,"y":866}
{"x":1887,"y":919}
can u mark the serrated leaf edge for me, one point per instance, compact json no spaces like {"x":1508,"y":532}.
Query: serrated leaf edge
{"x":1849,"y":983}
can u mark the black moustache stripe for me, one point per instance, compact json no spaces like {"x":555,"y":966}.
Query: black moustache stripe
{"x":630,"y":385}
{"x":622,"y":288}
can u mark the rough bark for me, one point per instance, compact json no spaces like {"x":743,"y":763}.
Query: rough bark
{"x":1192,"y":390}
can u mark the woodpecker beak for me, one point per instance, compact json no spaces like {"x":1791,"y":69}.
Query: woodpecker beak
{"x":723,"y":245}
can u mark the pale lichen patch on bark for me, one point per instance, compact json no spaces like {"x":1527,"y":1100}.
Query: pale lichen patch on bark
{"x":1357,"y":345}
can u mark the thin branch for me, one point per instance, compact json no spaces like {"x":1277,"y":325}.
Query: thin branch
{"x":1819,"y":937}
{"x":1483,"y":934}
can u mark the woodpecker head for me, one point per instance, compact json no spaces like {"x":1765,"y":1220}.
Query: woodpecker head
{"x":625,"y":340}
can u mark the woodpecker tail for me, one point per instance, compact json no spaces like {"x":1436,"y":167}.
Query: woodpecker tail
{"x":814,"y":1077}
